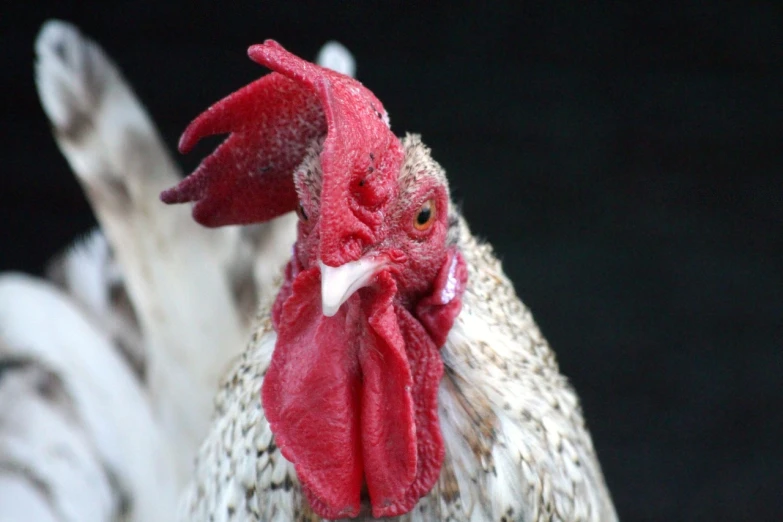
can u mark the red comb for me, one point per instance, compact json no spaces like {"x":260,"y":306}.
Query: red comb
{"x":272,"y":121}
{"x":248,"y":178}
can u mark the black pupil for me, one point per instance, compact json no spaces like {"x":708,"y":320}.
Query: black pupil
{"x":424,"y":215}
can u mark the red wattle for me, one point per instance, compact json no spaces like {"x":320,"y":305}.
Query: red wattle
{"x":311,"y":398}
{"x":352,"y":399}
{"x":389,"y":431}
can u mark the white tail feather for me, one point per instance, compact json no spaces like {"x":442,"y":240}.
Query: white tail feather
{"x":174,"y":270}
{"x":334,"y":55}
{"x":78,"y":395}
{"x":88,"y":272}
{"x":48,"y":459}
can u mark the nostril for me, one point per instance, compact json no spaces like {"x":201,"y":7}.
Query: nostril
{"x":351,"y":248}
{"x":341,"y":250}
{"x":397,"y":256}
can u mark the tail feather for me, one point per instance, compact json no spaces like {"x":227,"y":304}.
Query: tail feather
{"x":173,"y":270}
{"x":102,"y":128}
{"x":49,"y":469}
{"x":89,"y":273}
{"x":334,"y":55}
{"x":77,"y":434}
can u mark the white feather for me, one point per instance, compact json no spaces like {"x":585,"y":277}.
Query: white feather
{"x":46,"y":449}
{"x":334,"y":55}
{"x":22,"y":501}
{"x":174,"y":269}
{"x":38,"y":322}
{"x":86,"y":271}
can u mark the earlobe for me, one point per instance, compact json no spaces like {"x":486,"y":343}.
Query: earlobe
{"x":438,"y":311}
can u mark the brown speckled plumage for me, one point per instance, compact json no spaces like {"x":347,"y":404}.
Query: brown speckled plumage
{"x":516,"y":443}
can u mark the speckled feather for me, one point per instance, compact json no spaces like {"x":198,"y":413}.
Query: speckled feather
{"x":517,"y":447}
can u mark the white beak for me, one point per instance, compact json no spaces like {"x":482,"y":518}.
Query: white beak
{"x":339,"y":283}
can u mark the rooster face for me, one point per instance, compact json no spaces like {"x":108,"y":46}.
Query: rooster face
{"x":397,"y":224}
{"x":370,"y":293}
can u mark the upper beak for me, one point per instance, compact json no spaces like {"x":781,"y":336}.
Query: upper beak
{"x":339,"y":283}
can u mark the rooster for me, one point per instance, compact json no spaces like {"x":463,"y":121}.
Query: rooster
{"x":396,"y":373}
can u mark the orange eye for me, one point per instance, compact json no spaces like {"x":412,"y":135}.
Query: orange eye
{"x":301,"y":212}
{"x":425,"y":217}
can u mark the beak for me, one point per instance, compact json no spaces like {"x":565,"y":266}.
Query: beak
{"x":339,"y":283}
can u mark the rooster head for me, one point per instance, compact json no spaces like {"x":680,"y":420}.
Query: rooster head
{"x":372,"y":289}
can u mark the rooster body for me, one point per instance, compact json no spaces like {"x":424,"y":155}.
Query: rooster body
{"x":516,"y":445}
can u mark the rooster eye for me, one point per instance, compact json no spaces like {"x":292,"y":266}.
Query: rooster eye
{"x":426,"y":216}
{"x":301,"y":212}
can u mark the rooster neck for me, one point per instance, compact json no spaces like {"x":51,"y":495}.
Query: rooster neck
{"x":511,"y":422}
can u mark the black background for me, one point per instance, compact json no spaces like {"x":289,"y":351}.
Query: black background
{"x":625,"y":161}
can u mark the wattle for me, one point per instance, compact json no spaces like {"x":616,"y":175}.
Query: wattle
{"x":352,"y":399}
